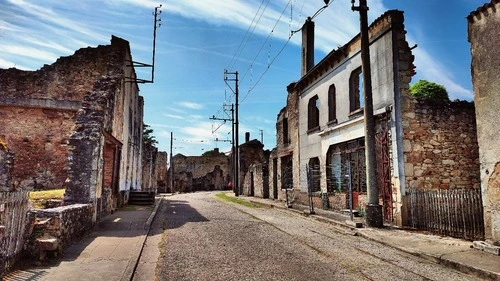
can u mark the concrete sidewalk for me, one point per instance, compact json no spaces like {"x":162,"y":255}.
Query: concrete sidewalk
{"x":451,"y":252}
{"x":111,"y":252}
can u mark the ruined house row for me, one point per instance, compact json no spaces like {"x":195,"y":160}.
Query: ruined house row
{"x":77,"y":124}
{"x":425,"y":150}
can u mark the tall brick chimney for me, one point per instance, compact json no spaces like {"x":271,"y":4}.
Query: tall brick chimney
{"x":307,"y":46}
{"x":247,"y":136}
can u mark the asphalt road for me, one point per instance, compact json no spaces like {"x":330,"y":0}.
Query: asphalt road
{"x":206,"y":238}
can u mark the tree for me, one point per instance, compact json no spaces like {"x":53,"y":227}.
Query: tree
{"x":147,"y":135}
{"x":429,"y":90}
{"x":212,"y":153}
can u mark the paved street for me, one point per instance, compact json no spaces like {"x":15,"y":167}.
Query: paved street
{"x":207,"y":238}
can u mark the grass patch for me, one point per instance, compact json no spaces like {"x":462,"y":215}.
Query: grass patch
{"x":47,"y":194}
{"x":223,"y":196}
{"x":40,"y":197}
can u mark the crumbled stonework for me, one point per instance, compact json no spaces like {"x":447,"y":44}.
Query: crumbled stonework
{"x":483,"y":30}
{"x":441,"y":150}
{"x":194,"y":173}
{"x":62,"y":226}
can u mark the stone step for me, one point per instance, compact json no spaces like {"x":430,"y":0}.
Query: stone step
{"x":141,"y":198}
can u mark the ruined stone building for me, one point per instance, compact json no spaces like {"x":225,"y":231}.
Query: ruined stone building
{"x":484,"y":32}
{"x":254,"y":168}
{"x":76,"y":124}
{"x":420,"y":145}
{"x":197,"y":173}
{"x":154,"y":169}
{"x":162,"y":172}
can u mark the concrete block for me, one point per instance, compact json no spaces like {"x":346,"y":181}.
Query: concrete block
{"x":356,"y":224}
{"x":486,"y":247}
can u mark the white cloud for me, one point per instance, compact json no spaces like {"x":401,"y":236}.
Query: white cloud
{"x":430,"y":68}
{"x":30,"y":52}
{"x":179,"y":117}
{"x":49,"y":16}
{"x":191,"y":105}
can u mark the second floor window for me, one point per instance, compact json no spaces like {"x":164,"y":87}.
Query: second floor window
{"x":313,"y":113}
{"x":332,"y":104}
{"x":356,"y":99}
{"x":286,"y":137}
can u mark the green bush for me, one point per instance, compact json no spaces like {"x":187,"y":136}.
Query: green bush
{"x":429,"y":90}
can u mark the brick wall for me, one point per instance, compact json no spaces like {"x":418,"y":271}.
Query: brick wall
{"x":440,"y":146}
{"x":39,"y":140}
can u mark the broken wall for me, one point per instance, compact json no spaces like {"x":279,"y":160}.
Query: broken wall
{"x":251,"y":154}
{"x":161,"y":172}
{"x":484,"y":30}
{"x":440,"y":146}
{"x":191,"y":172}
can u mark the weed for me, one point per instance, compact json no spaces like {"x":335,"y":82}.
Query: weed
{"x":223,"y":195}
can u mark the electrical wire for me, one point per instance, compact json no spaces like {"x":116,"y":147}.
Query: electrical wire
{"x":247,"y":35}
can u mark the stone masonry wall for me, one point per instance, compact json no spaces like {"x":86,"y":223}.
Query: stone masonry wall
{"x":191,"y":170}
{"x":440,"y":146}
{"x":484,"y":31}
{"x":149,"y":166}
{"x":86,"y":143}
{"x":67,"y":224}
{"x":6,"y":163}
{"x":251,"y":153}
{"x":161,"y":172}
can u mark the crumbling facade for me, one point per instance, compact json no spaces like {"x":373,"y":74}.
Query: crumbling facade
{"x":283,"y":174}
{"x":254,"y":170}
{"x":484,"y":31}
{"x":161,"y":172}
{"x":420,"y":145}
{"x":325,"y":131}
{"x":197,"y":173}
{"x":76,"y":124}
{"x":154,"y":168}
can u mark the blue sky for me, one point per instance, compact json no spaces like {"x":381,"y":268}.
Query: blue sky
{"x":199,"y":39}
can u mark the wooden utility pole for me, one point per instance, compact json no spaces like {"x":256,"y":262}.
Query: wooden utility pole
{"x":373,"y":212}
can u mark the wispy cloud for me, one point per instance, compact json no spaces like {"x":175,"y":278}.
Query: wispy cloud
{"x":429,"y":68}
{"x":191,"y":105}
{"x":168,"y":115}
{"x":57,"y":19}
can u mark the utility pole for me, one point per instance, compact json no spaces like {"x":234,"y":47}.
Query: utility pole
{"x":261,"y":136}
{"x":171,"y":162}
{"x":236,"y":183}
{"x":233,"y":158}
{"x":373,"y":210}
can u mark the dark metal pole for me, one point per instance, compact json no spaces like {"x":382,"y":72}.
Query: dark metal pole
{"x":373,"y":209}
{"x":154,"y":42}
{"x":237,"y":132}
{"x":233,"y":152}
{"x":171,"y":163}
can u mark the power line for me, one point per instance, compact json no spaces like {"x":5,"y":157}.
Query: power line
{"x":260,"y":49}
{"x":247,"y":35}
